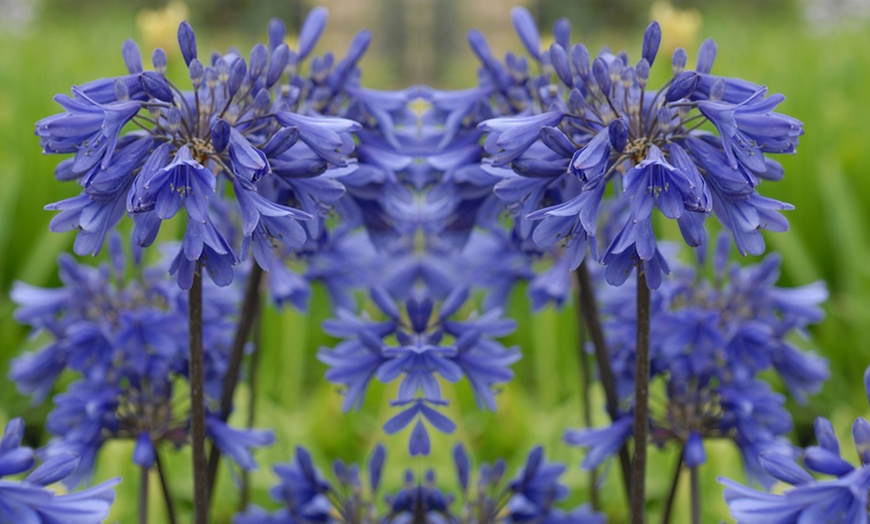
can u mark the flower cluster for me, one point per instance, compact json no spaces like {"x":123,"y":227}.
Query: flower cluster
{"x":531,"y":497}
{"x":126,"y":340}
{"x":30,"y":500}
{"x":428,"y":345}
{"x":584,"y":122}
{"x":249,"y":138}
{"x":810,"y":500}
{"x":711,"y":340}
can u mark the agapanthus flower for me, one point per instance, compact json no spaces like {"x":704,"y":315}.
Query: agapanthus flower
{"x":843,"y":499}
{"x":711,"y":340}
{"x":124,"y":339}
{"x":586,"y":122}
{"x":419,"y":343}
{"x":531,"y":497}
{"x":31,"y":500}
{"x":253,"y":131}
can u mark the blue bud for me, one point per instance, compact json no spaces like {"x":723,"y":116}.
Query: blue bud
{"x":694,"y":454}
{"x":196,"y":73}
{"x":237,"y":76}
{"x":376,"y":466}
{"x":861,"y":436}
{"x":559,"y":59}
{"x":276,"y":33}
{"x":311,"y":30}
{"x":187,"y":42}
{"x":220,"y":135}
{"x":562,"y":33}
{"x":678,"y":61}
{"x":652,"y":37}
{"x":580,"y":59}
{"x":222,"y":66}
{"x":143,"y":452}
{"x":825,"y":434}
{"x":628,"y":77}
{"x":782,"y":467}
{"x":556,"y":140}
{"x":259,"y":61}
{"x":158,"y":60}
{"x":641,"y":72}
{"x":618,"y":135}
{"x":211,"y":77}
{"x":280,"y":56}
{"x":527,"y":30}
{"x":706,"y":56}
{"x":576,"y":101}
{"x":173,"y":119}
{"x":615,"y":70}
{"x":262,"y":101}
{"x":683,"y":86}
{"x":155,"y":86}
{"x":460,"y":458}
{"x":281,"y":141}
{"x":602,"y":75}
{"x":132,"y":56}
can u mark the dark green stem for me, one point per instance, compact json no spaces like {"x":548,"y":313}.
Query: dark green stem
{"x":641,"y":400}
{"x":249,"y":313}
{"x":696,"y":495}
{"x":143,"y":495}
{"x":197,"y":401}
{"x":589,"y":312}
{"x":252,"y":404}
{"x":164,"y":487}
{"x":672,"y":494}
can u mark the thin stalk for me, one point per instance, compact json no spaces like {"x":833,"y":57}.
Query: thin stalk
{"x":167,"y":493}
{"x":696,"y":495}
{"x":641,"y":400}
{"x":143,"y":495}
{"x":249,"y":313}
{"x":672,"y":494}
{"x":589,"y":311}
{"x":252,"y":403}
{"x":197,"y":403}
{"x":586,"y":385}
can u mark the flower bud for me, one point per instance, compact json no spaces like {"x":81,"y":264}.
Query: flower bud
{"x":158,"y":60}
{"x":259,"y":61}
{"x":559,"y":59}
{"x":602,"y":76}
{"x":220,"y":135}
{"x":132,"y":56}
{"x":652,"y":37}
{"x":237,"y":75}
{"x":683,"y":86}
{"x":678,"y":61}
{"x":618,"y":135}
{"x":580,"y":59}
{"x":196,"y":73}
{"x":187,"y":42}
{"x":155,"y":86}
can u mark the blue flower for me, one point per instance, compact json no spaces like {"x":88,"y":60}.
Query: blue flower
{"x":29,"y":500}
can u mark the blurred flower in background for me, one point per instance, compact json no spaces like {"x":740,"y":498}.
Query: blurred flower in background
{"x":159,"y":27}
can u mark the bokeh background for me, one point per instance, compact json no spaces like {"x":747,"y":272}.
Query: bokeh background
{"x":816,"y":52}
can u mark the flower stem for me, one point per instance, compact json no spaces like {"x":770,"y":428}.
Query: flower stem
{"x":164,"y":487}
{"x":249,"y":314}
{"x":589,"y":312}
{"x":197,"y":403}
{"x":252,"y":403}
{"x":143,"y":495}
{"x":672,"y":494}
{"x":641,"y":399}
{"x":587,"y":419}
{"x":696,"y":495}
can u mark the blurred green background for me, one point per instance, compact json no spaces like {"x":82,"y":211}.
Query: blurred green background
{"x":816,"y":52}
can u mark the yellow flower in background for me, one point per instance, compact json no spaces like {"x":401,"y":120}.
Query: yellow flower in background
{"x":679,"y":26}
{"x":159,"y":27}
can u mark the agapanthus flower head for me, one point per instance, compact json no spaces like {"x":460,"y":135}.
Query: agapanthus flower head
{"x":595,"y":121}
{"x":420,"y":344}
{"x":31,"y":500}
{"x":122,"y":333}
{"x":250,"y":130}
{"x":809,"y":499}
{"x":710,"y":342}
